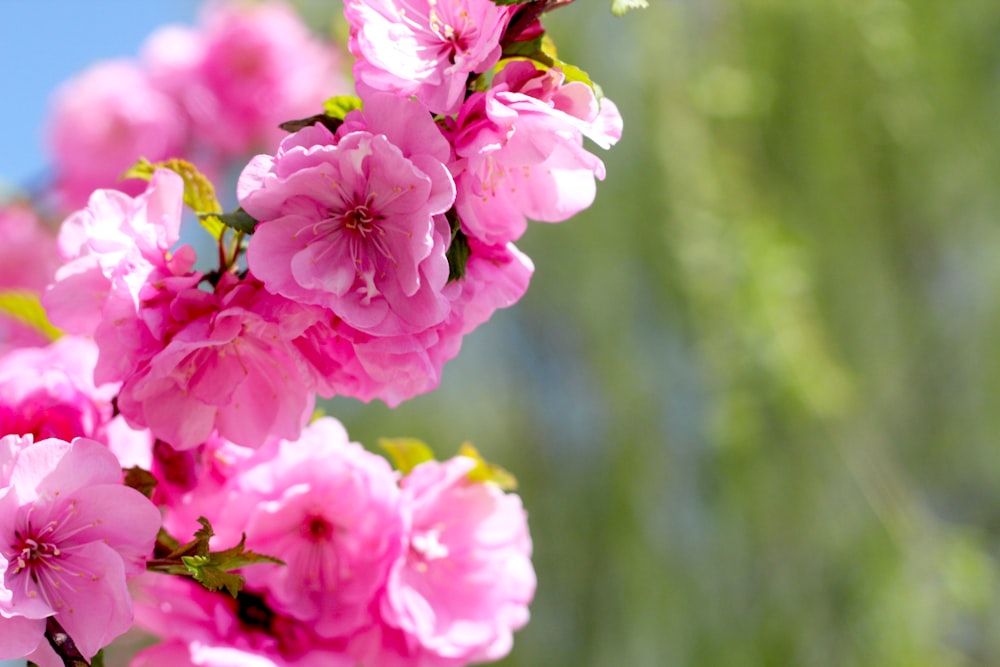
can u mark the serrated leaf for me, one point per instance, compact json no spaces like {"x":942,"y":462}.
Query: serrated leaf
{"x":26,"y":307}
{"x":339,"y":106}
{"x":213,"y":577}
{"x":619,"y":7}
{"x":199,"y":193}
{"x":406,"y":453}
{"x":486,"y":471}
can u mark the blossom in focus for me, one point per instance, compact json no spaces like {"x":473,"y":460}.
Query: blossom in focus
{"x":425,"y":48}
{"x":116,"y":241}
{"x":520,"y":151}
{"x":350,"y":223}
{"x":245,"y":69}
{"x":101,"y":122}
{"x":465,"y":580}
{"x":70,"y":534}
{"x":227,"y":364}
{"x":330,"y":510}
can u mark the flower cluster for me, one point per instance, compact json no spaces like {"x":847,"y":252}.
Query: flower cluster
{"x":367,"y":243}
{"x":432,"y":569}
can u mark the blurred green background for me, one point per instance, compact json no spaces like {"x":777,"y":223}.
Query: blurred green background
{"x":751,"y":395}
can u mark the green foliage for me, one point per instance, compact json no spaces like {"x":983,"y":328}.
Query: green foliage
{"x":486,"y":471}
{"x":620,"y":7}
{"x":339,"y":106}
{"x":406,"y":453}
{"x":212,"y":569}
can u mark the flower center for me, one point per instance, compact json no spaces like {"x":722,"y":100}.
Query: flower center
{"x":317,"y":529}
{"x":359,"y":219}
{"x":34,"y":551}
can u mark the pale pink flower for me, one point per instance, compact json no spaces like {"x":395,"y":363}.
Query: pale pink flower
{"x":101,"y":122}
{"x":245,"y":69}
{"x":466,"y":579}
{"x":117,"y":238}
{"x":353,"y":224}
{"x":330,"y":510}
{"x":70,"y":534}
{"x":228,"y":364}
{"x":520,"y":151}
{"x":425,"y":48}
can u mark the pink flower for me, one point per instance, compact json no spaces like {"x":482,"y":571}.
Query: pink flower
{"x":425,"y":48}
{"x":354,"y":224}
{"x":70,"y":533}
{"x":101,"y":122}
{"x":226,"y":364}
{"x":214,"y":630}
{"x":117,"y":239}
{"x":244,"y":70}
{"x":465,"y":581}
{"x":520,"y":151}
{"x":330,"y":510}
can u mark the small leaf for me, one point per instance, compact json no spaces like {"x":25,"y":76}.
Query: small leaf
{"x":326,"y":121}
{"x":213,"y":577}
{"x":458,"y":252}
{"x":239,"y":220}
{"x":619,"y":7}
{"x":406,"y":453}
{"x":340,"y":105}
{"x":25,"y":307}
{"x":199,"y":193}
{"x":140,"y":480}
{"x":486,"y":471}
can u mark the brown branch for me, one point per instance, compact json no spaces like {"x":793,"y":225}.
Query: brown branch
{"x":63,"y":645}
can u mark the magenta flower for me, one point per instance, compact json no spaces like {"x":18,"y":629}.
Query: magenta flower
{"x":330,"y":510}
{"x":466,"y":579}
{"x":425,"y":48}
{"x":227,"y":363}
{"x":101,"y":122}
{"x":520,"y":151}
{"x":354,"y":224}
{"x":70,"y":534}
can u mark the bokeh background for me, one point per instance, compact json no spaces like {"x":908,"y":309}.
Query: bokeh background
{"x":751,"y":394}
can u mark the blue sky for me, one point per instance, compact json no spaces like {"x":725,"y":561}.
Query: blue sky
{"x":44,"y":42}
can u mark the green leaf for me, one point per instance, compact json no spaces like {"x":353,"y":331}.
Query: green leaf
{"x":199,"y":193}
{"x":25,"y":307}
{"x":212,"y":577}
{"x":326,"y":121}
{"x":619,"y":7}
{"x":239,"y":220}
{"x":406,"y":453}
{"x":140,"y":480}
{"x":458,"y":252}
{"x":339,"y":106}
{"x":98,"y":660}
{"x":486,"y":471}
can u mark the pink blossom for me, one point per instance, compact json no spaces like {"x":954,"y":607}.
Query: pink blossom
{"x":101,"y":122}
{"x":117,"y":238}
{"x":465,"y":581}
{"x":214,"y":630}
{"x":520,"y":151}
{"x":330,"y":510}
{"x":425,"y":48}
{"x":244,"y":70}
{"x":70,"y":534}
{"x":354,"y":224}
{"x":227,"y":364}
